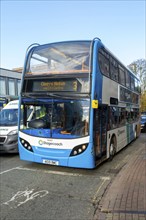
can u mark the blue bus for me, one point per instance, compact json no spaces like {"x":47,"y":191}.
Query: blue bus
{"x":85,"y":104}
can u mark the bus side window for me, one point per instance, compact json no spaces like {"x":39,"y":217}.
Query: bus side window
{"x":137,"y":114}
{"x":128,"y":116}
{"x":132,"y":83}
{"x":122,"y":116}
{"x":113,"y":117}
{"x":114,"y":69}
{"x":127,"y":79}
{"x":122,"y":79}
{"x":104,"y":62}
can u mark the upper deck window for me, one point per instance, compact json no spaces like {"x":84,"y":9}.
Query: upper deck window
{"x":127,"y":79}
{"x":104,"y":62}
{"x":132,"y":83}
{"x":63,"y":57}
{"x":114,"y":69}
{"x":121,"y":75}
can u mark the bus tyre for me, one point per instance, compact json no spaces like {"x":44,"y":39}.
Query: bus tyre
{"x":112,"y":148}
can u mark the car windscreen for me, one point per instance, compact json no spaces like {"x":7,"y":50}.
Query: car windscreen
{"x":9,"y":117}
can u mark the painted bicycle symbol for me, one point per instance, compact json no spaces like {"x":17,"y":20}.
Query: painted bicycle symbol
{"x":22,"y":197}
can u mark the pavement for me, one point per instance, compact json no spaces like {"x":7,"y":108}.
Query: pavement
{"x":125,"y":198}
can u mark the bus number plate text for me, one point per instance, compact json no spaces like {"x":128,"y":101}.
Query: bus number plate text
{"x":51,"y":162}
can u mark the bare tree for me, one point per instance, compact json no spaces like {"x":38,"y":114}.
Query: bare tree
{"x":139,"y":68}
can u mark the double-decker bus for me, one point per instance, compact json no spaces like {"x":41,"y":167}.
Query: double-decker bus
{"x":85,"y":103}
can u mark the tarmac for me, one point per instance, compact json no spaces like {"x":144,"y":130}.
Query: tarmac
{"x":125,"y":198}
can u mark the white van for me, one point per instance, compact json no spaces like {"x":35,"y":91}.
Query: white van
{"x":9,"y":126}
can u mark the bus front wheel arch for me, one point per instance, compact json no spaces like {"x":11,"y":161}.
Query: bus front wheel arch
{"x":112,"y":147}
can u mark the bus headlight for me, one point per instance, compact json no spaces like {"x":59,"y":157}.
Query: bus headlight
{"x":78,"y":150}
{"x":26,"y":144}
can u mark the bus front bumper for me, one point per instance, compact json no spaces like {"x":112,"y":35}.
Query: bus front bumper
{"x":84,"y":160}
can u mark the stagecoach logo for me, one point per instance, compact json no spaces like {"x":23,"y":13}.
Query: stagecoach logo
{"x":120,"y":132}
{"x":41,"y":142}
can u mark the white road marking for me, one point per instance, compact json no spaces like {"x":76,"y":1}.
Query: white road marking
{"x":6,"y":171}
{"x":104,"y":179}
{"x":51,"y":172}
{"x":48,"y":171}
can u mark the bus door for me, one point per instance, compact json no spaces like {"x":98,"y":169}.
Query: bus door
{"x":100,"y":131}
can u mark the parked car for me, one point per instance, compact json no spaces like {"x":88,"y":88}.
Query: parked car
{"x":143,"y":122}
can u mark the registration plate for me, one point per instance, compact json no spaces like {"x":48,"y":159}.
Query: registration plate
{"x":51,"y":162}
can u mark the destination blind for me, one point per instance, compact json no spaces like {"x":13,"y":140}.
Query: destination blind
{"x":66,"y":85}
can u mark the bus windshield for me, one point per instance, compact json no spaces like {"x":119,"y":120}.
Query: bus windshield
{"x":62,"y":57}
{"x":57,"y":118}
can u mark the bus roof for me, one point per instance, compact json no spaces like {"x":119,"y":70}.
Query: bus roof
{"x":38,"y":46}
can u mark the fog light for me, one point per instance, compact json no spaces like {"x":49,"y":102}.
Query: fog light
{"x":26,"y":145}
{"x":83,"y":146}
{"x":78,"y":150}
{"x":29,"y":147}
{"x":75,"y":152}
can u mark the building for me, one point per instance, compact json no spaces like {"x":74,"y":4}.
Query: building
{"x":10,"y":82}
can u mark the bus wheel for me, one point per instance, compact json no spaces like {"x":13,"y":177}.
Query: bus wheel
{"x":112,"y":148}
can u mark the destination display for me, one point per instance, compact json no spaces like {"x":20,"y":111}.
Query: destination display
{"x":66,"y":85}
